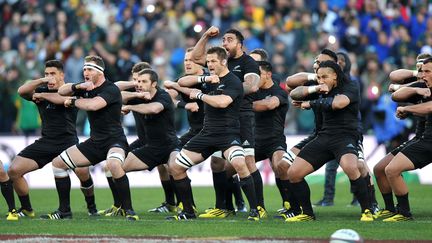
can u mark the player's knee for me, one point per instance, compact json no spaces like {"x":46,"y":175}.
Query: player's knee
{"x":391,"y":171}
{"x":113,"y":165}
{"x":282,"y":167}
{"x":176,"y":170}
{"x":13,"y":173}
{"x":293,"y":175}
{"x":83,"y":174}
{"x":59,"y":172}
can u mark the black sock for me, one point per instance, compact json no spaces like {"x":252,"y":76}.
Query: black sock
{"x":220,"y":186}
{"x":115,"y":194}
{"x":287,"y":187}
{"x":123,"y":190}
{"x":403,"y":205}
{"x":281,"y":190}
{"x":25,"y":202}
{"x":359,"y":187}
{"x":87,"y":189}
{"x":258,"y":183}
{"x":229,"y":194}
{"x":168,"y":188}
{"x":175,"y":190}
{"x":63,"y":186}
{"x":237,"y":191}
{"x":185,"y":190}
{"x":247,"y":184}
{"x":8,"y":193}
{"x":371,"y":189}
{"x":388,"y":201}
{"x":301,"y":193}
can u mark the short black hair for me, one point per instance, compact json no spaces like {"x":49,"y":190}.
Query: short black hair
{"x":237,"y":33}
{"x":140,"y":66}
{"x":266,"y":66}
{"x":341,"y":77}
{"x":153,"y":75}
{"x":219,"y":51}
{"x":261,"y":52}
{"x":330,"y":53}
{"x":54,"y":63}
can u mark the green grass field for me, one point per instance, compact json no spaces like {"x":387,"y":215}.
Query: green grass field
{"x":329,"y":219}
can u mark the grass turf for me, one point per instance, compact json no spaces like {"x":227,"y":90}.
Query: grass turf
{"x":329,"y":219}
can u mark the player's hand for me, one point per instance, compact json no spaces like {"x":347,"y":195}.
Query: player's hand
{"x":322,"y":89}
{"x":305,"y":105}
{"x":401,"y":113}
{"x":46,"y":80}
{"x":68,"y":102}
{"x":213,"y":79}
{"x":424,"y":92}
{"x":144,"y":95}
{"x":296,"y":103}
{"x":37,"y":97}
{"x":194,"y":93}
{"x":193,"y":107}
{"x":87,"y":86}
{"x":125,"y":110}
{"x":168,"y":84}
{"x":212,"y":31}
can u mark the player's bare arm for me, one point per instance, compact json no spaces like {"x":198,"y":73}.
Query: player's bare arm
{"x":26,"y":90}
{"x":150,"y":108}
{"x":270,"y":103}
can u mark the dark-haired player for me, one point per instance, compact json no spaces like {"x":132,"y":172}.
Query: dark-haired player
{"x":247,"y":70}
{"x":337,"y":139}
{"x":58,"y":134}
{"x":221,"y":132}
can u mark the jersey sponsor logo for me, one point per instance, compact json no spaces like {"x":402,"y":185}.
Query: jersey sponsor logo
{"x":246,"y":142}
{"x":236,"y":69}
{"x":235,"y":142}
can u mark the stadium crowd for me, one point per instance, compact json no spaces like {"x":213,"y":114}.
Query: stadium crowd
{"x":378,"y":35}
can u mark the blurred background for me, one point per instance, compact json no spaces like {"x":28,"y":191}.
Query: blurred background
{"x":379,"y":36}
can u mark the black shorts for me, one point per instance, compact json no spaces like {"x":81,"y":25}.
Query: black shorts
{"x":419,"y":152}
{"x":247,"y":129}
{"x":404,"y":145}
{"x":305,"y":141}
{"x":154,"y":155}
{"x":97,"y":152}
{"x":136,"y":144}
{"x":206,"y":142}
{"x":327,"y":147}
{"x":188,"y":136}
{"x":265,"y":149}
{"x":45,"y":150}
